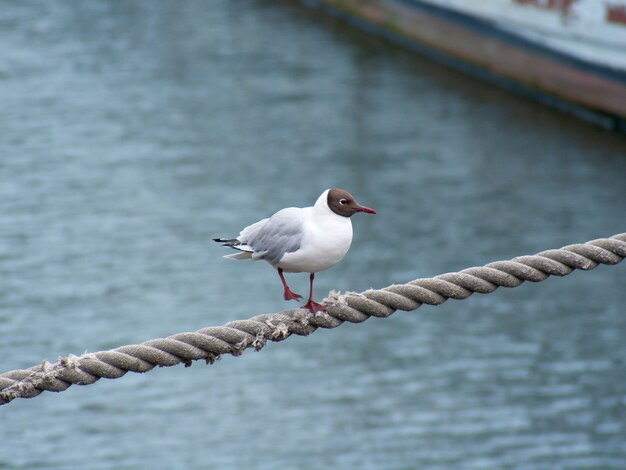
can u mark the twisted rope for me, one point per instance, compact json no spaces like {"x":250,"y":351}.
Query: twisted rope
{"x":236,"y":336}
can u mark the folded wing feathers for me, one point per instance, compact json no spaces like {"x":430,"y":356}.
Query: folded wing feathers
{"x":268,"y":239}
{"x":235,"y":243}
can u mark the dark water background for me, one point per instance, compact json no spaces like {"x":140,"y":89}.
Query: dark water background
{"x":131,"y":132}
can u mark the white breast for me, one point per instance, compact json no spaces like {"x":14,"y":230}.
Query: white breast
{"x":327,"y":238}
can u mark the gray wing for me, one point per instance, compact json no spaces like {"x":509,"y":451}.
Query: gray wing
{"x":270,"y":239}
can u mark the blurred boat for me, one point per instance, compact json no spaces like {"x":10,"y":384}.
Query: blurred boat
{"x":570,"y":54}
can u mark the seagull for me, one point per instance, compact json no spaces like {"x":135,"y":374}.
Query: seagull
{"x":297,"y":240}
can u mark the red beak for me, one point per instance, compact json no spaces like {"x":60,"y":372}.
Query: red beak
{"x":366,"y":209}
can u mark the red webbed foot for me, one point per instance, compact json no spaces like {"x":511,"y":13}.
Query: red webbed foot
{"x":288,"y":295}
{"x":314,"y":307}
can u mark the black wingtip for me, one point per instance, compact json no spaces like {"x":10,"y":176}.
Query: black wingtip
{"x":227,"y":241}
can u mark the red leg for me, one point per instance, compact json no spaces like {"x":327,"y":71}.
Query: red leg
{"x":313,"y":306}
{"x":287,"y":294}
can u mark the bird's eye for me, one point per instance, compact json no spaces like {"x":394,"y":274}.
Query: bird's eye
{"x":343,"y":202}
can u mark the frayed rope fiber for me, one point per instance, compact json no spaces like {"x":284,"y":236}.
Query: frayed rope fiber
{"x":234,"y":337}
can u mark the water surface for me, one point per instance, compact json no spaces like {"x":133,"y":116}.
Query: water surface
{"x":130,"y":133}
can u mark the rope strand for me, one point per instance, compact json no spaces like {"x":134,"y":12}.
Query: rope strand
{"x":210,"y":343}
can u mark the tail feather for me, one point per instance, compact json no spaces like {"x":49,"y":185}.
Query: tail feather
{"x":244,"y":251}
{"x":241,"y":255}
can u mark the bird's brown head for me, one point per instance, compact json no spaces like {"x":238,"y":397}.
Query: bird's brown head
{"x":342,"y":203}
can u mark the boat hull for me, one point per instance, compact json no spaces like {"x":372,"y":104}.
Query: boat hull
{"x":484,"y":49}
